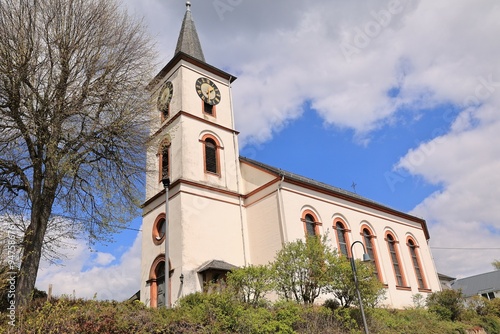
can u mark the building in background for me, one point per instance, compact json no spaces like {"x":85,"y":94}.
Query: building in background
{"x":486,"y":285}
{"x":227,"y":211}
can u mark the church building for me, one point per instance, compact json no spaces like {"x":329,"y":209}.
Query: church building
{"x":226,"y":211}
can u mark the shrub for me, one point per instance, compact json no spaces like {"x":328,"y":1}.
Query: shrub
{"x":448,"y":304}
{"x":493,"y":307}
{"x":302,"y":269}
{"x":250,"y":283}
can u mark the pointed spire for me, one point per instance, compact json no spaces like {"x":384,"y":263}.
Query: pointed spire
{"x":188,"y":41}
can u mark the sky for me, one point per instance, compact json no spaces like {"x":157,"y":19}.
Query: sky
{"x":396,"y":100}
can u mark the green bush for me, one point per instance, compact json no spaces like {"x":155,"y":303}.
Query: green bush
{"x":448,"y":304}
{"x":223,"y":312}
{"x":492,"y":307}
{"x":251,"y":283}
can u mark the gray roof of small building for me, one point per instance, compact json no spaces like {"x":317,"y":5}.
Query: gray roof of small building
{"x":478,"y":284}
{"x":188,"y":41}
{"x":445,"y":277}
{"x":217,"y":265}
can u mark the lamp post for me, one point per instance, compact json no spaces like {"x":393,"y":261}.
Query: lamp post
{"x":166,"y":185}
{"x":366,"y":258}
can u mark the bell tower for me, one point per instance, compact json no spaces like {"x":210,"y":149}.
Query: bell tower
{"x":193,"y":143}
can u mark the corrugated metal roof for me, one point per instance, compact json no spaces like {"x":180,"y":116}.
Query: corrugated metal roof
{"x":478,"y":284}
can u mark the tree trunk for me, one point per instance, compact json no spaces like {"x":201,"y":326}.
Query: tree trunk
{"x":32,"y":249}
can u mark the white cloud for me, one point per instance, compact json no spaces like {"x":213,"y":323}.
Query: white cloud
{"x":426,"y":53}
{"x":89,"y":274}
{"x":103,"y":259}
{"x":464,"y":214}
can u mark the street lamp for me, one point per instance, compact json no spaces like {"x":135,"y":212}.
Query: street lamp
{"x":366,"y":258}
{"x":166,"y":185}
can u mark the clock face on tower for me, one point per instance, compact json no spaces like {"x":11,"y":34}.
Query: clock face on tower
{"x":165,"y":96}
{"x":208,"y":91}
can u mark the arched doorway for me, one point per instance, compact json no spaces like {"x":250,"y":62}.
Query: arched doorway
{"x":157,"y":282}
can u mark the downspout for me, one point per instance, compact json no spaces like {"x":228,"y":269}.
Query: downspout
{"x":281,"y":214}
{"x":237,"y":172}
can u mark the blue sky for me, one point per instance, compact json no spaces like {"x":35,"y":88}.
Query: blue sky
{"x":400,"y":97}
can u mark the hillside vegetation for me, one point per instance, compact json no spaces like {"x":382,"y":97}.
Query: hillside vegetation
{"x":224,"y":312}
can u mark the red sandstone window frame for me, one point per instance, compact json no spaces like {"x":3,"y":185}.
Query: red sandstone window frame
{"x":417,"y":263}
{"x":157,"y":236}
{"x":164,"y":148}
{"x":213,"y":108}
{"x":390,"y":238}
{"x":153,"y":287}
{"x":218,"y":147}
{"x":371,"y":249}
{"x":165,"y":114}
{"x":315,"y":221}
{"x":345,"y":231}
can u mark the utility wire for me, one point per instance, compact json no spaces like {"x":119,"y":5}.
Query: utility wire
{"x":468,"y":248}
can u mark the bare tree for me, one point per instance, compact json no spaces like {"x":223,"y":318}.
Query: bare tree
{"x":496,"y":264}
{"x":73,"y":118}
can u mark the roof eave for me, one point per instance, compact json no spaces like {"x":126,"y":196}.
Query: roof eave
{"x":342,"y":195}
{"x":184,"y":56}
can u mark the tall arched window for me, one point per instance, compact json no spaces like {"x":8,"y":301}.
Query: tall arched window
{"x":164,"y":158}
{"x":395,"y":259}
{"x":415,"y":259}
{"x":211,"y":150}
{"x":342,"y":238}
{"x":311,"y":223}
{"x":368,"y":239}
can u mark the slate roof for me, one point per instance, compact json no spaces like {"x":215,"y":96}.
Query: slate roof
{"x":478,"y":284}
{"x":216,"y":264}
{"x":188,"y":41}
{"x":338,"y":192}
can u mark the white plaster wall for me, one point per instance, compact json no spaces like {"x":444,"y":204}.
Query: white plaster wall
{"x":326,"y":207}
{"x":212,"y":230}
{"x":193,"y":155}
{"x":253,"y":178}
{"x":264,"y":230}
{"x":192,"y":103}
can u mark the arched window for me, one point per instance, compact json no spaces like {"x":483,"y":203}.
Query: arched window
{"x":395,"y":259}
{"x":415,"y":259}
{"x":164,"y":159}
{"x":211,"y":150}
{"x":342,"y":238}
{"x":311,"y":224}
{"x":368,"y":239}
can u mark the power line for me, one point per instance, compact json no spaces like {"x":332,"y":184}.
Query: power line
{"x":468,"y":248}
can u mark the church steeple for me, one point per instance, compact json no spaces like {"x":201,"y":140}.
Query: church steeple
{"x":188,"y":41}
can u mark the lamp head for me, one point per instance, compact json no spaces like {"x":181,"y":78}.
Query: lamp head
{"x":366,"y":257}
{"x":166,"y":182}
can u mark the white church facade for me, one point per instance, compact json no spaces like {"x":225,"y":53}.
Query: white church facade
{"x":226,"y":211}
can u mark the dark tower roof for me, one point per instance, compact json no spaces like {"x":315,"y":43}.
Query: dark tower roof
{"x":188,"y":41}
